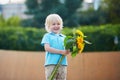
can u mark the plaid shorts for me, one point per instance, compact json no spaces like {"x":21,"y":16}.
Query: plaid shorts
{"x":60,"y":75}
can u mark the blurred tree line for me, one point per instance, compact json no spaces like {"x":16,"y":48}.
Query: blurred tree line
{"x":70,"y":11}
{"x":41,"y":8}
{"x":113,"y":9}
{"x":11,"y":21}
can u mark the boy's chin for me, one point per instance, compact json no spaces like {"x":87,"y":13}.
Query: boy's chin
{"x":56,"y":32}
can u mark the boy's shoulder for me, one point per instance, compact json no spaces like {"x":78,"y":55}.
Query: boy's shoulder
{"x":46,"y":34}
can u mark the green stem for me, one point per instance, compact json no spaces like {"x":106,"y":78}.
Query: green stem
{"x":56,"y":68}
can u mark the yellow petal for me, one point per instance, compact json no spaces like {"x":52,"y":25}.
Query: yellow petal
{"x":79,"y":39}
{"x":79,"y":33}
{"x":82,"y":48}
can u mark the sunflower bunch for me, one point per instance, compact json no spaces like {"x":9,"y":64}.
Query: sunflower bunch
{"x":75,"y":42}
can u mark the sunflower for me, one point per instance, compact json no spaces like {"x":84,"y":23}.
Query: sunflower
{"x":79,"y":39}
{"x":80,"y":33}
{"x":80,"y":43}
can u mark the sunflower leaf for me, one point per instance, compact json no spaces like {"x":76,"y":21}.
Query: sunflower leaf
{"x":75,"y":51}
{"x":87,"y":42}
{"x":68,"y":42}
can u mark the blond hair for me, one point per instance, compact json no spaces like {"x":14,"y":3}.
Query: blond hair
{"x":50,"y":19}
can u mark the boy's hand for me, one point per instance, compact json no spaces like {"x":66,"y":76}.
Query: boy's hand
{"x":65,"y":52}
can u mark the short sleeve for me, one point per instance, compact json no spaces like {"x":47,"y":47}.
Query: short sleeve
{"x":45,"y":39}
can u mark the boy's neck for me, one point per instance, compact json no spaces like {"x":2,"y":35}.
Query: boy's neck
{"x":55,"y":33}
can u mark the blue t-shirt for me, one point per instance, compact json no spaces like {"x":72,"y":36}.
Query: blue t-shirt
{"x":55,"y":41}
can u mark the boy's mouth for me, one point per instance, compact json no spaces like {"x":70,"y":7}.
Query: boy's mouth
{"x":56,"y":28}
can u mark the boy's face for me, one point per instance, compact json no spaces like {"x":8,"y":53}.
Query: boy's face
{"x":55,"y":27}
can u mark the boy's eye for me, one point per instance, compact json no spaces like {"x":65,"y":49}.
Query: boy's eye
{"x":56,"y":24}
{"x":53,"y":24}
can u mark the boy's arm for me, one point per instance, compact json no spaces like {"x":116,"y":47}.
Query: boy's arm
{"x":53,"y":50}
